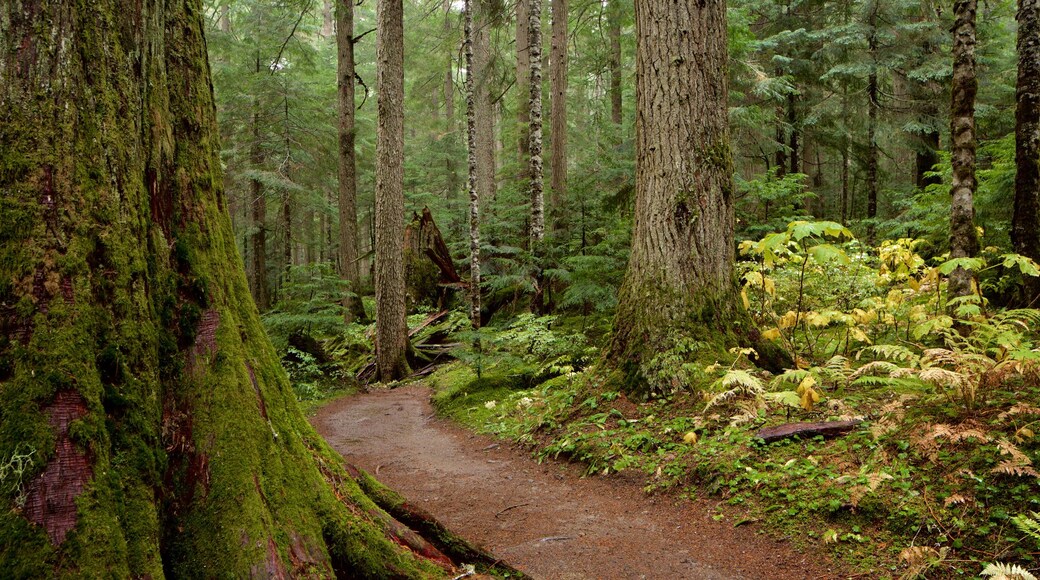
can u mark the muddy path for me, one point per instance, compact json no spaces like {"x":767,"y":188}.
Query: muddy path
{"x":545,"y":519}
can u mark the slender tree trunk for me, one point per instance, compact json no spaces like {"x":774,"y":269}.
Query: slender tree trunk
{"x":680,"y":284}
{"x":614,"y":34}
{"x":792,"y":120}
{"x":872,"y":156}
{"x":348,"y":234}
{"x":327,"y":17}
{"x":523,"y":84}
{"x":558,"y":90}
{"x":165,"y":436}
{"x":873,"y":108}
{"x":259,"y":203}
{"x":1025,"y":224}
{"x":963,"y":240}
{"x":483,"y":107}
{"x":471,"y":156}
{"x":391,"y":328}
{"x":535,"y":167}
{"x":449,"y":117}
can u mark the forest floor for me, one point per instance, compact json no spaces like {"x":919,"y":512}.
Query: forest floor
{"x":545,"y":519}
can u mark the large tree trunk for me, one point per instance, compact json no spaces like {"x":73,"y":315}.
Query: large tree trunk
{"x":614,"y":35}
{"x":391,"y":328}
{"x":348,"y":238}
{"x":535,"y":107}
{"x":165,"y":438}
{"x":471,"y":156}
{"x":680,"y":285}
{"x":1025,"y":224}
{"x":558,"y":90}
{"x":963,"y":240}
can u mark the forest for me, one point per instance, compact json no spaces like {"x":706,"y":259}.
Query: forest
{"x":777,"y":254}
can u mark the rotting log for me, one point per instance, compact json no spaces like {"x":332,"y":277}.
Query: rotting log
{"x":825,"y":428}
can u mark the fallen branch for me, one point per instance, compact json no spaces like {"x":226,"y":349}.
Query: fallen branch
{"x":825,"y":429}
{"x":510,"y":508}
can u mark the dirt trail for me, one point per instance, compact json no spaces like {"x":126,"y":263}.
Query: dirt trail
{"x":544,"y":519}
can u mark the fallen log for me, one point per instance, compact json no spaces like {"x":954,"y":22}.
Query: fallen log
{"x":825,"y":428}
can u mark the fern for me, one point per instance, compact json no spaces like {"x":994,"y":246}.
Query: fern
{"x":1029,"y":525}
{"x":1001,"y":571}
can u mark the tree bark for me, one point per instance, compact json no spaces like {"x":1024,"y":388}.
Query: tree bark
{"x":165,"y":437}
{"x":614,"y":35}
{"x":327,"y":17}
{"x":391,"y":328}
{"x":535,"y":173}
{"x":348,"y":234}
{"x":558,"y":90}
{"x":1025,"y":223}
{"x":963,"y":240}
{"x":471,"y":156}
{"x":680,"y":284}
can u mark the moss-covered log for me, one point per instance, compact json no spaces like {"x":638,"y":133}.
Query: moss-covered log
{"x":137,"y":386}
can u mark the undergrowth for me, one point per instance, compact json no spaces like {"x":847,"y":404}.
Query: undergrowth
{"x":938,"y":480}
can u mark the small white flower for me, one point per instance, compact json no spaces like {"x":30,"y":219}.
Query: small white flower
{"x":525,"y":402}
{"x":490,"y":405}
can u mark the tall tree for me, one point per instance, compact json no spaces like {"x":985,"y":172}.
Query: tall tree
{"x":348,"y":243}
{"x":535,"y":173}
{"x":449,"y":107}
{"x":258,"y":196}
{"x":165,"y":436}
{"x":1025,"y":223}
{"x":963,"y":240}
{"x":873,"y":108}
{"x":471,"y":156}
{"x":558,"y":102}
{"x":523,"y":83}
{"x":680,"y":283}
{"x":484,"y":111}
{"x":614,"y":37}
{"x":391,"y":327}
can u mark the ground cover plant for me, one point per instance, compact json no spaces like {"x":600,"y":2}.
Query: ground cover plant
{"x":938,"y":480}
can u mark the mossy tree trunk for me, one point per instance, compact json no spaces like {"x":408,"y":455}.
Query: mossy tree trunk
{"x":680,"y":283}
{"x":164,"y":437}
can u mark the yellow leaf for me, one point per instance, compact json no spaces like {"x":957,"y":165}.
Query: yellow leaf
{"x":690,"y":438}
{"x":744,"y":298}
{"x":807,"y":383}
{"x":914,"y":284}
{"x":788,"y":319}
{"x":769,"y":285}
{"x":858,"y":335}
{"x":771,"y":334}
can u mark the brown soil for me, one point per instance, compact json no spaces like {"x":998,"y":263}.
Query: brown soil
{"x":544,"y":518}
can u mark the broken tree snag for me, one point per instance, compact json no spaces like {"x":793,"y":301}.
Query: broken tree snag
{"x":826,"y":429}
{"x":427,"y":279}
{"x":418,"y":519}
